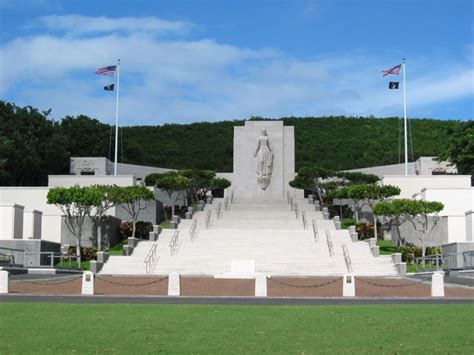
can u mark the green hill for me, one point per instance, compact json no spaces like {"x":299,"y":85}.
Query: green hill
{"x":332,"y":142}
{"x":33,"y":146}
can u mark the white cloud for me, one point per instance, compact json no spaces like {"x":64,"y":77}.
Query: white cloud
{"x":181,"y":80}
{"x":80,"y":25}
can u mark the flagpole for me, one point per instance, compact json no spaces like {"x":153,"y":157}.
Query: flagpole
{"x":405,"y":115}
{"x":116,"y":117}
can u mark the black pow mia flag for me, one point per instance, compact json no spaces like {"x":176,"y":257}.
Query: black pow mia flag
{"x":109,"y":87}
{"x":393,"y":85}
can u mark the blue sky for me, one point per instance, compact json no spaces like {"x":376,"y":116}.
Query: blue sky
{"x":187,"y":61}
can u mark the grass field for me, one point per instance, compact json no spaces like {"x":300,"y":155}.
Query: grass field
{"x":122,"y":328}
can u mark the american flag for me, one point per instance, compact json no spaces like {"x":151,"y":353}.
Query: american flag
{"x":109,"y":71}
{"x":395,"y":70}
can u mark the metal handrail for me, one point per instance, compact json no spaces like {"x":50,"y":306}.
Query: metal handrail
{"x":10,"y":256}
{"x":315,"y":231}
{"x":303,"y":217}
{"x":232,"y":197}
{"x":347,"y":258}
{"x":174,"y":243}
{"x":287,"y":196}
{"x":329,"y":241}
{"x":151,"y":258}
{"x":291,"y":203}
{"x":208,"y":219}
{"x":226,"y":202}
{"x":193,"y":230}
{"x":218,"y":210}
{"x":296,"y":210}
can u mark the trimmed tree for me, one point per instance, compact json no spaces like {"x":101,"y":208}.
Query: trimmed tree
{"x":220,"y":183}
{"x":174,"y":185}
{"x":109,"y":198}
{"x":200,"y":181}
{"x":369,"y":195}
{"x":133,"y":199}
{"x":312,"y":178}
{"x":75,"y":203}
{"x":357,"y":178}
{"x":417,"y":212}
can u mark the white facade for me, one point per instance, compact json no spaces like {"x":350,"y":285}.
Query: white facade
{"x":454,"y":191}
{"x":34,"y":198}
{"x":422,"y":166}
{"x":412,"y":185}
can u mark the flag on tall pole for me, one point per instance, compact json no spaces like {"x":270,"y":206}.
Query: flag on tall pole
{"x":395,"y":70}
{"x":110,"y":71}
{"x":117,"y":82}
{"x":391,"y":85}
{"x":405,"y":114}
{"x":394,"y":85}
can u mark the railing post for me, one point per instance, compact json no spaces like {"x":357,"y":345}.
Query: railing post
{"x":87,"y":283}
{"x":437,"y":284}
{"x":4,"y":281}
{"x":348,"y":285}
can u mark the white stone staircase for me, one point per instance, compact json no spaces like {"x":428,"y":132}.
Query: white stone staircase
{"x":267,"y":232}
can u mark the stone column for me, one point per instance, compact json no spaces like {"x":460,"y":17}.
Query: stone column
{"x":32,"y":224}
{"x":11,"y":220}
{"x":469,"y":226}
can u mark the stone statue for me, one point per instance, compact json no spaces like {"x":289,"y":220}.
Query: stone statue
{"x":264,"y":156}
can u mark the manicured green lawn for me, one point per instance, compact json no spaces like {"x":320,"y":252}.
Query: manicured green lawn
{"x":125,"y":328}
{"x":117,"y":249}
{"x":72,"y":265}
{"x":387,"y":247}
{"x":165,"y":223}
{"x":347,"y":222}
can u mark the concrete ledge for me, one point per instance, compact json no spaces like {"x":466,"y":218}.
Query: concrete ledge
{"x":375,"y":250}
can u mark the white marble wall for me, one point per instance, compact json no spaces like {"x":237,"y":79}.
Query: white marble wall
{"x":281,"y":139}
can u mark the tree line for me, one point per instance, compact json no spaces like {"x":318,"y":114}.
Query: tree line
{"x":32,"y":145}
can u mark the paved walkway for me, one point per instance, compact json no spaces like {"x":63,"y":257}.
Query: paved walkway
{"x":231,"y":300}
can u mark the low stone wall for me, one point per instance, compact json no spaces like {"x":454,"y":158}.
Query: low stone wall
{"x":304,"y":287}
{"x":210,"y":286}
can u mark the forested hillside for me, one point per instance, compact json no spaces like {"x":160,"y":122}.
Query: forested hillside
{"x":33,"y":146}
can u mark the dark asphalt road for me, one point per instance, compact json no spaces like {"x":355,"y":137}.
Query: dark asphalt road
{"x":231,"y":300}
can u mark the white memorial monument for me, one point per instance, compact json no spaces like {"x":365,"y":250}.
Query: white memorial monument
{"x":264,"y":159}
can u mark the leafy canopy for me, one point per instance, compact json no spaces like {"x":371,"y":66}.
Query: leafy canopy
{"x":407,"y":207}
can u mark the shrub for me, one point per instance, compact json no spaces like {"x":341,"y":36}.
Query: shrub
{"x":410,"y":252}
{"x":86,"y":253}
{"x":143,"y":229}
{"x":366,"y":230}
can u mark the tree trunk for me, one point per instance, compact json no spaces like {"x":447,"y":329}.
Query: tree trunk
{"x":172,"y":210}
{"x":401,"y":241}
{"x":320,"y":197}
{"x":375,"y":226}
{"x":134,"y":228}
{"x":356,"y":213}
{"x":99,"y":233}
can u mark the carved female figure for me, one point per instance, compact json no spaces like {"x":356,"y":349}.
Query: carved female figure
{"x":264,"y":156}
